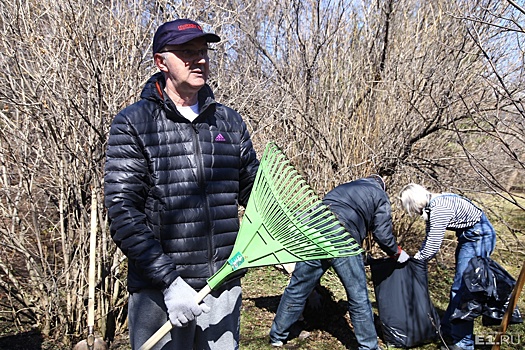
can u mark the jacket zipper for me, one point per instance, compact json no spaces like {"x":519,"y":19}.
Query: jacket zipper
{"x":202,"y":184}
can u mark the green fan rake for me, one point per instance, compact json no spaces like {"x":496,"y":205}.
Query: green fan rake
{"x":284,"y":222}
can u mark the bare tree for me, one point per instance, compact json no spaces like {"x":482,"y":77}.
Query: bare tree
{"x":66,"y":68}
{"x":358,"y":88}
{"x":498,"y":35}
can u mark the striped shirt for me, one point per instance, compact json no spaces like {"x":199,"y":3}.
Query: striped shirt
{"x":447,"y":211}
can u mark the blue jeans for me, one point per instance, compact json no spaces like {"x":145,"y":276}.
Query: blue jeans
{"x":476,"y":241}
{"x":351,"y":272}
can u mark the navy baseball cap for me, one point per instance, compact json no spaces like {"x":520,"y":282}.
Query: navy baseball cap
{"x":178,"y":32}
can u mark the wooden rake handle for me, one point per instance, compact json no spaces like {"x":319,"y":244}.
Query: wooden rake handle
{"x":510,"y":309}
{"x":162,"y":331}
{"x":92,"y":262}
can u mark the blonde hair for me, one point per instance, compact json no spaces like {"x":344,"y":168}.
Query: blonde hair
{"x":414,"y":198}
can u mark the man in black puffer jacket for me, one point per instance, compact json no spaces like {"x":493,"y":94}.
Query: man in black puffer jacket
{"x":178,"y":165}
{"x":362,"y":206}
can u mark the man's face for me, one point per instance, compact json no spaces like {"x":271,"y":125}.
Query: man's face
{"x":187,"y":65}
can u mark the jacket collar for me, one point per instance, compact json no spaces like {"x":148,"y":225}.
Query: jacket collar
{"x":154,"y":91}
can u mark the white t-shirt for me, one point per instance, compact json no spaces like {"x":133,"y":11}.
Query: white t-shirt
{"x":189,"y":112}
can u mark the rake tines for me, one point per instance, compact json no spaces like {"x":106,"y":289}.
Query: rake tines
{"x":284,"y":222}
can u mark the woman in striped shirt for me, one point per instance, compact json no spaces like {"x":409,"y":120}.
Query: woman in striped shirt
{"x":476,"y":238}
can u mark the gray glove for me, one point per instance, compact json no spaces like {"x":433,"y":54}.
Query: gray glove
{"x":180,"y":302}
{"x":402,"y":257}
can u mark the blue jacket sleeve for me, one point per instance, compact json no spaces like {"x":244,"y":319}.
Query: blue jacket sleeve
{"x":382,"y":230}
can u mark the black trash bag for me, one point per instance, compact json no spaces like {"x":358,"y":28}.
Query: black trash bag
{"x":486,"y":289}
{"x":406,"y":313}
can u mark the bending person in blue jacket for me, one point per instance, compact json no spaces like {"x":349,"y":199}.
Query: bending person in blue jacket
{"x":362,"y":206}
{"x":178,"y":165}
{"x":476,"y":238}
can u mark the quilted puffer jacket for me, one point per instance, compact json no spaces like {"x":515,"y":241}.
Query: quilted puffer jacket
{"x":172,"y":187}
{"x":362,"y":206}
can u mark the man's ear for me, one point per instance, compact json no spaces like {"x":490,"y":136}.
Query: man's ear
{"x":160,"y":62}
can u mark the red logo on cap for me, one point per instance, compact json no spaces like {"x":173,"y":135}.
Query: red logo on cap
{"x":189,"y":26}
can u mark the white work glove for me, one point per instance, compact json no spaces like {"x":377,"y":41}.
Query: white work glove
{"x":402,"y":257}
{"x":180,"y":302}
